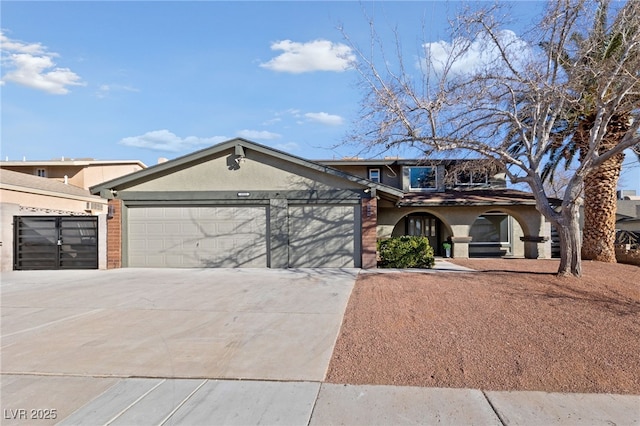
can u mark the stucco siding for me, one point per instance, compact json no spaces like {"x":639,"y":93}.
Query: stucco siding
{"x":48,"y":202}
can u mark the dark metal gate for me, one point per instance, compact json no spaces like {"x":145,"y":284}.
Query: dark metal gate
{"x":55,"y":242}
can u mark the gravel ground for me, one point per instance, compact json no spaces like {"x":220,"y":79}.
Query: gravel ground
{"x":512,"y":325}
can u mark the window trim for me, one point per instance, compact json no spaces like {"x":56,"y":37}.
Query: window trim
{"x":41,"y":172}
{"x":379,"y":179}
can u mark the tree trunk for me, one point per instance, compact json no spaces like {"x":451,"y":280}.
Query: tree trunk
{"x":599,"y":230}
{"x":569,"y":233}
{"x":600,"y":211}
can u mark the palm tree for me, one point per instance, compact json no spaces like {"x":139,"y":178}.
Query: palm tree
{"x":600,"y":194}
{"x":605,"y":47}
{"x":597,"y":54}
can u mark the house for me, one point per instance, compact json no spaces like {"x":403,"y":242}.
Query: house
{"x":81,"y":172}
{"x":241,"y":204}
{"x":628,"y":218}
{"x":462,"y":202}
{"x":48,"y":217}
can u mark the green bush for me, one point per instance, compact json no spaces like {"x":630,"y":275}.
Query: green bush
{"x":406,"y":252}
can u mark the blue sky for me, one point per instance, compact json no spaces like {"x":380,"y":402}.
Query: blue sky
{"x":143,"y":80}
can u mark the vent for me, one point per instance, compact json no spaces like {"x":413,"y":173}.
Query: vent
{"x":91,"y":206}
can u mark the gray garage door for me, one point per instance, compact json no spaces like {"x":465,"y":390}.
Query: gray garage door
{"x":197,"y":237}
{"x":322,"y":236}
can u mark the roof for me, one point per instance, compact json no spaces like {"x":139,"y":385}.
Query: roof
{"x":163,"y":168}
{"x":20,"y":181}
{"x":389,"y":161}
{"x":80,"y":162}
{"x":476,"y":197}
{"x":628,"y":209}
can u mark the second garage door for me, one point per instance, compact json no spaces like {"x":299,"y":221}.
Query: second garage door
{"x":187,"y":237}
{"x":322,"y":236}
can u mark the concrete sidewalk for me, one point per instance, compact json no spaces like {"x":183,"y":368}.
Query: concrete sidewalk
{"x":147,"y":401}
{"x":225,"y":346}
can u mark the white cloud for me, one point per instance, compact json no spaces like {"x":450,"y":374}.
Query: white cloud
{"x":106,"y":89}
{"x":164,"y":140}
{"x":32,"y":66}
{"x":287,"y":147}
{"x":480,"y":53}
{"x":272,"y":121}
{"x":317,"y":55}
{"x":324,"y":118}
{"x":258,"y":134}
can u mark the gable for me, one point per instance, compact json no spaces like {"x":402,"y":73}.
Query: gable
{"x":256,"y":172}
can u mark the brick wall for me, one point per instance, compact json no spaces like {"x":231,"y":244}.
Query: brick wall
{"x":369,"y":232}
{"x":114,"y":236}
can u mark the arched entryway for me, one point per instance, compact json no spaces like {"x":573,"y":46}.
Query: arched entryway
{"x":425,"y":225}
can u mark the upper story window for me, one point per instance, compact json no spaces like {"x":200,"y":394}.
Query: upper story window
{"x":41,"y":172}
{"x":374,"y":175}
{"x":422,"y":178}
{"x":471,"y":178}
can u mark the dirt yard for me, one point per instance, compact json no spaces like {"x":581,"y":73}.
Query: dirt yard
{"x":513,"y":325}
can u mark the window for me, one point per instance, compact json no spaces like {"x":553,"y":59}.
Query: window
{"x":423,"y":226}
{"x":422,"y":178}
{"x":374,"y":175}
{"x":471,"y":178}
{"x":41,"y":172}
{"x":490,"y":227}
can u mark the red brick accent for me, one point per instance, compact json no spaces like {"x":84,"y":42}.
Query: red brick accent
{"x":114,"y":235}
{"x":369,"y":232}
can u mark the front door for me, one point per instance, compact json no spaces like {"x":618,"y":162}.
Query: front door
{"x":425,"y":225}
{"x":55,"y":242}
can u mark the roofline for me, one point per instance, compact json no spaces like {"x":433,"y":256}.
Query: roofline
{"x":223,"y":146}
{"x":358,"y":162}
{"x":69,"y":163}
{"x":459,"y":202}
{"x":391,"y":161}
{"x":50,"y":193}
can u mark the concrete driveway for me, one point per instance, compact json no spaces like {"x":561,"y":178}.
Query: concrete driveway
{"x":59,"y":327}
{"x":222,"y":347}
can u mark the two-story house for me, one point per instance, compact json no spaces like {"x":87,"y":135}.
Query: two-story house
{"x":464,"y":202}
{"x":241,"y":204}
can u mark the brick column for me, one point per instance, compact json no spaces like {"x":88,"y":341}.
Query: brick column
{"x":369,"y":232}
{"x":114,"y":235}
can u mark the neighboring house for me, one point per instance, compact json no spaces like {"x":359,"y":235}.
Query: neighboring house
{"x":241,"y":204}
{"x":628,"y":218}
{"x":48,"y":217}
{"x":82,"y":172}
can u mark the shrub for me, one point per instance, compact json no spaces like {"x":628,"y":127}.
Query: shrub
{"x":406,"y":252}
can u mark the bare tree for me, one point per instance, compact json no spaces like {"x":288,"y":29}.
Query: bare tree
{"x":523,"y":88}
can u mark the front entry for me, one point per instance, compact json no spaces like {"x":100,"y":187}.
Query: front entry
{"x":425,"y":225}
{"x":55,"y":242}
